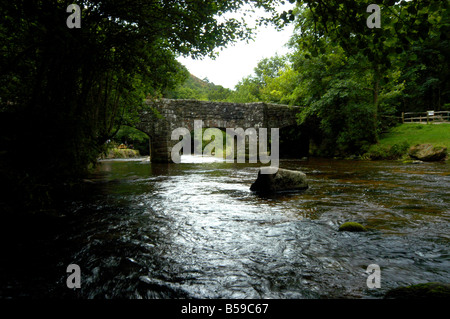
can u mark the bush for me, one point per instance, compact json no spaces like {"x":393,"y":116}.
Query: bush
{"x":387,"y":152}
{"x":398,"y":150}
{"x":122,"y":153}
{"x":131,"y":136}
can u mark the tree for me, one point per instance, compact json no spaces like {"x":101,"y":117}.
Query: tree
{"x":194,"y":88}
{"x":353,"y":80}
{"x":404,"y":24}
{"x":333,"y":90}
{"x":425,"y":67}
{"x":253,"y":87}
{"x":65,"y":91}
{"x":247,"y":90}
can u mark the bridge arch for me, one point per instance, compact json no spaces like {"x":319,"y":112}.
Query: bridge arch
{"x":165,"y":115}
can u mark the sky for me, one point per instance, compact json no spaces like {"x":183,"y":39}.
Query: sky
{"x":238,"y":61}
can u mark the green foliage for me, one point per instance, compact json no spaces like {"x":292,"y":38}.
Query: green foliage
{"x":264,"y":84}
{"x":413,"y":134}
{"x":396,"y":143}
{"x":411,"y":32}
{"x":194,"y":88}
{"x":353,"y":81}
{"x":130,"y":136}
{"x":398,"y":150}
{"x":387,"y":152}
{"x":336,"y":92}
{"x":280,"y":89}
{"x":247,"y":91}
{"x":66,"y":91}
{"x":404,"y":24}
{"x":127,"y":133}
{"x":122,"y":153}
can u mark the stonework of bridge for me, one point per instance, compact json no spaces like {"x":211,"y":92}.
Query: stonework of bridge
{"x":172,"y":114}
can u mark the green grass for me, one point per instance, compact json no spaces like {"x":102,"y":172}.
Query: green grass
{"x":395,"y":143}
{"x":411,"y":133}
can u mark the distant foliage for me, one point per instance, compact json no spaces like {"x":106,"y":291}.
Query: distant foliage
{"x":194,"y":88}
{"x":354,"y":81}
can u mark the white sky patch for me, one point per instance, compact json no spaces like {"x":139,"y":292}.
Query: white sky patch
{"x":238,"y":60}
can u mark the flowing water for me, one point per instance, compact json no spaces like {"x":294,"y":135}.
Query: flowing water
{"x":195,"y":230}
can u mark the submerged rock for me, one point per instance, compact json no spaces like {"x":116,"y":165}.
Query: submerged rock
{"x":271,"y":180}
{"x":427,"y":152}
{"x":431,"y":290}
{"x":352,"y":226}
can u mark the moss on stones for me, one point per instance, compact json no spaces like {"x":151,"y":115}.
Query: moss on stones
{"x":352,"y":227}
{"x":428,"y":152}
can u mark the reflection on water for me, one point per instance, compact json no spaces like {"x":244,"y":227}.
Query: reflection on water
{"x":195,"y":230}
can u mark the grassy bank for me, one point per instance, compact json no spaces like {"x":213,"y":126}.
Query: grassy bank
{"x":436,"y":134}
{"x":121,"y":153}
{"x":396,"y":143}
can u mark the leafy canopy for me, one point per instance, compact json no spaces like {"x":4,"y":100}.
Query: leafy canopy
{"x":69,"y":90}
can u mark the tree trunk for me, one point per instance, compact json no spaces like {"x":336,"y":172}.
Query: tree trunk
{"x":376,"y":90}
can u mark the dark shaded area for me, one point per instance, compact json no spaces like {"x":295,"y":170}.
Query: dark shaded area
{"x":294,"y":142}
{"x":432,"y":290}
{"x":65,"y":91}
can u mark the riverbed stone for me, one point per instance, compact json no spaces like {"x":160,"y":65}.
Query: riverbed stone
{"x":352,"y":227}
{"x":428,"y":152}
{"x":431,"y":290}
{"x":272,"y":180}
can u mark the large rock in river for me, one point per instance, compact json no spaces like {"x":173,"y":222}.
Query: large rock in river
{"x":277,"y":180}
{"x":428,"y":153}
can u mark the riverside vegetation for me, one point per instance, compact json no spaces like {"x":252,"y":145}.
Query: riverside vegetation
{"x":351,"y":80}
{"x":354,"y":82}
{"x":66,"y":92}
{"x":399,"y":140}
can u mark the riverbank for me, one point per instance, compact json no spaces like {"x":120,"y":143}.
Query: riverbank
{"x":397,"y":143}
{"x":121,"y":153}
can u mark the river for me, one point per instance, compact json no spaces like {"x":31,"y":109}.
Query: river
{"x":195,"y":230}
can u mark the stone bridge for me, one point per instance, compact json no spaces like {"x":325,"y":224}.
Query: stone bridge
{"x":172,"y":114}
